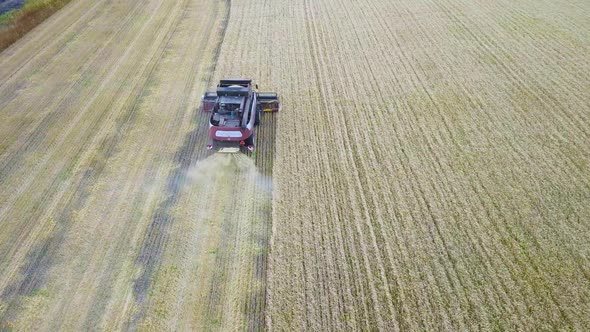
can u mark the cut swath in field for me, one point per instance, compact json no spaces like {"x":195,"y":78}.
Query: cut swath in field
{"x":209,"y":265}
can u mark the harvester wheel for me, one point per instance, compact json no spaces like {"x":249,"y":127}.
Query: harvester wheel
{"x":250,"y":140}
{"x":258,"y":115}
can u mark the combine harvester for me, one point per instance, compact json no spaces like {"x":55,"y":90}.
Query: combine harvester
{"x":235,"y":109}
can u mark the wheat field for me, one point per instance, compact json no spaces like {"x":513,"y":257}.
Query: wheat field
{"x":429,"y":169}
{"x":441,"y":152}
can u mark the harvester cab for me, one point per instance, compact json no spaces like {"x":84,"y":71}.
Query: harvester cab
{"x":236,"y":108}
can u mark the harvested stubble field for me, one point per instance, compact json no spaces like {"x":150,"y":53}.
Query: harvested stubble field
{"x":429,"y":171}
{"x":113,"y":215}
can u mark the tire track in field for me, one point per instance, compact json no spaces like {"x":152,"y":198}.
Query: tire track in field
{"x":225,"y":260}
{"x":362,"y":156}
{"x":157,"y":233}
{"x":40,"y":259}
{"x":233,"y":238}
{"x":386,"y":154}
{"x":374,"y":209}
{"x":365,"y":232}
{"x":451,"y":276}
{"x":310,"y":30}
{"x":216,"y":296}
{"x":375,"y":154}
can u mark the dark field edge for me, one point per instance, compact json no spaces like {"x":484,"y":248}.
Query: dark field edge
{"x":20,"y":21}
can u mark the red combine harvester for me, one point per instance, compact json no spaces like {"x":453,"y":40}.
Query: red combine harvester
{"x":235,"y":109}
